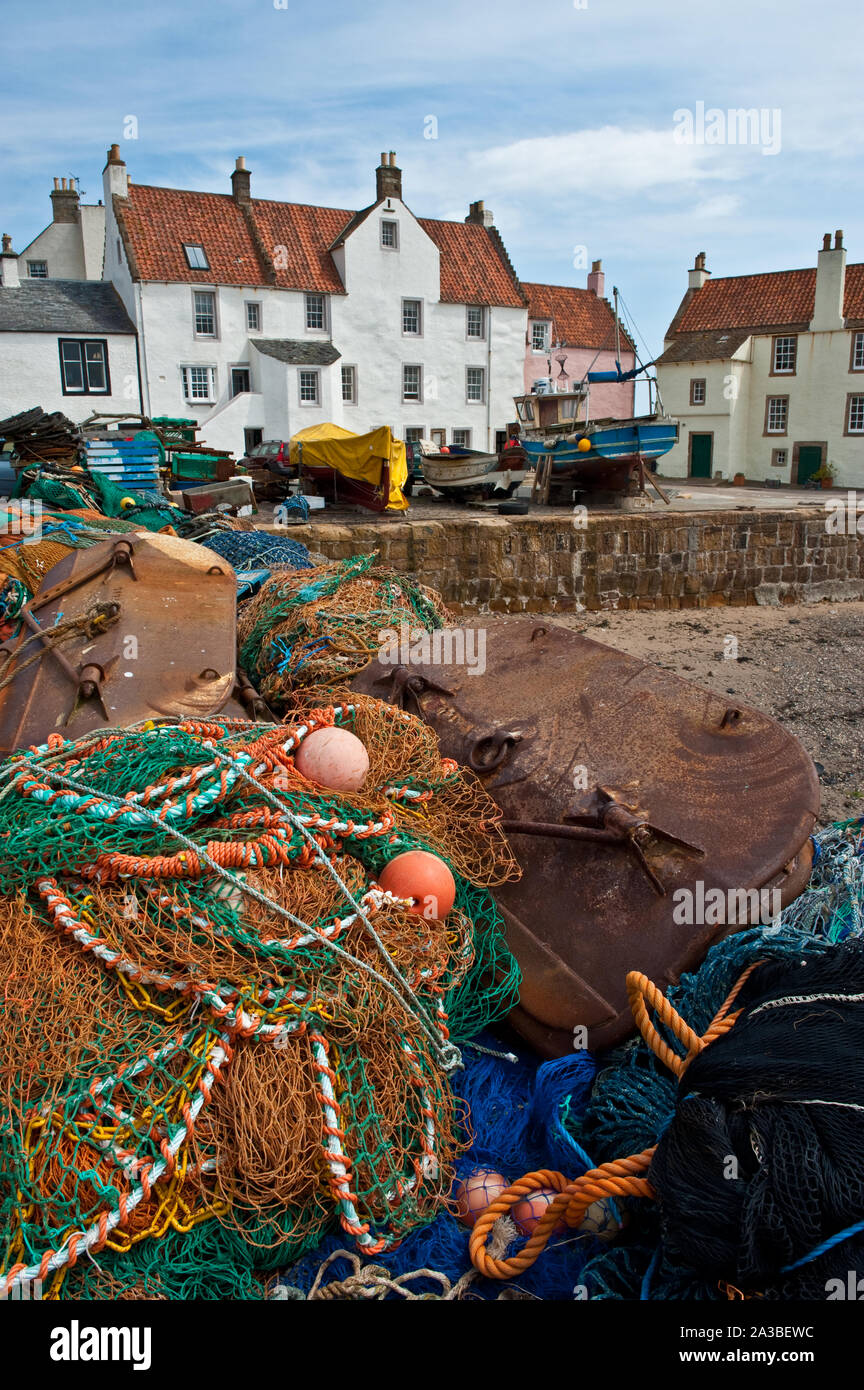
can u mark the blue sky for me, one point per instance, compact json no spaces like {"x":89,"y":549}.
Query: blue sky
{"x":562,"y":118}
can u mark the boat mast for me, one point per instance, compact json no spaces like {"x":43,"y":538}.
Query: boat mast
{"x":617,"y":329}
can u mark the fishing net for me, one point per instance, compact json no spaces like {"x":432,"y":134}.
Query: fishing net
{"x":319,"y":628}
{"x":249,"y":550}
{"x":221,"y":1038}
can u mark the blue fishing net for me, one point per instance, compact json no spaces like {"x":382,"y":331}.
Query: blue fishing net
{"x":258,"y":550}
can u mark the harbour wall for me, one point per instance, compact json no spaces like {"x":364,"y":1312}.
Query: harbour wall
{"x":548,"y":564}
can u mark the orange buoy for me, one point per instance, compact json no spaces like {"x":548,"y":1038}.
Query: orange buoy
{"x":333,"y":758}
{"x":584,"y":445}
{"x":425,"y":878}
{"x":478,"y":1191}
{"x":529,"y":1211}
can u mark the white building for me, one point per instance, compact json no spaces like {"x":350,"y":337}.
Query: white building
{"x":766,"y":373}
{"x":258,"y":318}
{"x":65,"y":345}
{"x":72,"y":245}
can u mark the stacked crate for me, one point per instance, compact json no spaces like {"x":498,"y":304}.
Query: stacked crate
{"x":129,"y":463}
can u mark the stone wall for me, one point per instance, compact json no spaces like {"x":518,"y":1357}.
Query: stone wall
{"x":549,"y":564}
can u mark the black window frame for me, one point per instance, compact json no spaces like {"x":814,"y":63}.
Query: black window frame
{"x":195,"y":246}
{"x":83,"y":343}
{"x":31,"y":276}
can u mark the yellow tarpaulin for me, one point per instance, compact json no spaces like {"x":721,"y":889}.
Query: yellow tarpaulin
{"x":356,"y":456}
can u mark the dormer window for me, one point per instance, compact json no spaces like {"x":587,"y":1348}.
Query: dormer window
{"x":37,"y":270}
{"x":390,"y":235}
{"x":196,"y":257}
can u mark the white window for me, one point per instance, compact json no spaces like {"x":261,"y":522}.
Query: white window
{"x":196,"y":257}
{"x":309,"y":387}
{"x":779,"y":457}
{"x":855,"y":419}
{"x":204,"y":303}
{"x":349,"y":385}
{"x":475,"y":321}
{"x":461,"y":438}
{"x":784,"y":355}
{"x":413,"y":433}
{"x":540,"y":337}
{"x":412,"y":317}
{"x":84,"y":367}
{"x":316,"y":311}
{"x":37,"y":270}
{"x":253,"y":316}
{"x":697,"y":391}
{"x":858,"y":352}
{"x":412,"y":383}
{"x":777,"y":414}
{"x":475,"y":383}
{"x":390,"y":235}
{"x":199,"y":383}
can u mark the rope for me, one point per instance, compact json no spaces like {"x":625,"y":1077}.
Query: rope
{"x":623,"y":1177}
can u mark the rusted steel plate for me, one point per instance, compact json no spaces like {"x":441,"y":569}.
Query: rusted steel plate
{"x":636,"y":784}
{"x":165,"y":647}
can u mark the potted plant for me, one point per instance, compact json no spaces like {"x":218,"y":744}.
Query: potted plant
{"x":739,"y":480}
{"x":824,"y":474}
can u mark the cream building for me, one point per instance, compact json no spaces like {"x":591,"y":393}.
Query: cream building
{"x":766,"y":373}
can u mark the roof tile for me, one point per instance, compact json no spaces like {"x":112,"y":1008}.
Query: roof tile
{"x":770,"y":300}
{"x":579,"y":318}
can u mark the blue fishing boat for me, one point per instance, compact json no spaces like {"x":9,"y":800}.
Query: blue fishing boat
{"x":573,"y":452}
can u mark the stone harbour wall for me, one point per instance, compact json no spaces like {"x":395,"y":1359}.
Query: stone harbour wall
{"x":548,"y":564}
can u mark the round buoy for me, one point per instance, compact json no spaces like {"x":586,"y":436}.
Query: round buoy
{"x":529,"y":1211}
{"x":333,"y":758}
{"x":584,"y":445}
{"x":423,"y":877}
{"x":478,"y":1191}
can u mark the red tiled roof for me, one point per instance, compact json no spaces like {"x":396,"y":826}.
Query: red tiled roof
{"x":157,"y":221}
{"x":579,"y":318}
{"x":305,"y":234}
{"x":474,"y":267}
{"x":288,"y":245}
{"x":770,"y":300}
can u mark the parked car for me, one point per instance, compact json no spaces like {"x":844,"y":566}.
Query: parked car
{"x":269,"y":468}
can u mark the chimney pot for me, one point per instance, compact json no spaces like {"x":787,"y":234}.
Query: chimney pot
{"x":7,"y":241}
{"x":64,"y":201}
{"x":826,"y":242}
{"x":479,"y":215}
{"x":838,"y":241}
{"x":56,"y":183}
{"x":114,"y":155}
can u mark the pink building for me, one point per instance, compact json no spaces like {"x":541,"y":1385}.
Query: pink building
{"x":572,"y":331}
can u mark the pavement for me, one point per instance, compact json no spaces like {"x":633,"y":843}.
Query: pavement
{"x":685,"y":495}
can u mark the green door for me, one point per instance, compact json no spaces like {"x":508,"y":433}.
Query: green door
{"x":701,"y":446}
{"x":809,"y":461}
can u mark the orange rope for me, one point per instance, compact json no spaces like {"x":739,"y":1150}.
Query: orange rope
{"x":623,"y":1176}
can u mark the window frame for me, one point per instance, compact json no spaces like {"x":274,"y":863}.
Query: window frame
{"x":239,"y":367}
{"x":458,"y":443}
{"x":847,"y":432}
{"x":413,"y":434}
{"x":208,"y":367}
{"x":259,"y":309}
{"x":352,"y":368}
{"x":698,"y":381}
{"x":31,"y":276}
{"x":83,"y":344}
{"x":325,"y":316}
{"x":775,"y":434}
{"x":778,"y":463}
{"x":408,"y":332}
{"x":547,"y":333}
{"x":205,"y":337}
{"x":316,"y":373}
{"x":475,"y":400}
{"x":857,"y":334}
{"x":477,"y":309}
{"x":386,"y":245}
{"x":190,"y":246}
{"x":784,"y":338}
{"x":418,"y":368}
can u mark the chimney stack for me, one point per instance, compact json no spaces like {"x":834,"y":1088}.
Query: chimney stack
{"x":698,"y":275}
{"x":478,"y":214}
{"x":597,"y":280}
{"x":9,"y":265}
{"x":115,"y":180}
{"x":64,"y":201}
{"x":830,"y":286}
{"x":241,"y":181}
{"x":388,"y":178}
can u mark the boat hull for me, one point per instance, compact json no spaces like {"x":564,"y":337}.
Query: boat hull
{"x":616,"y":449}
{"x":474,"y":475}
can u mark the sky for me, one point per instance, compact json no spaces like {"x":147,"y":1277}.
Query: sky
{"x":585,"y":125}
